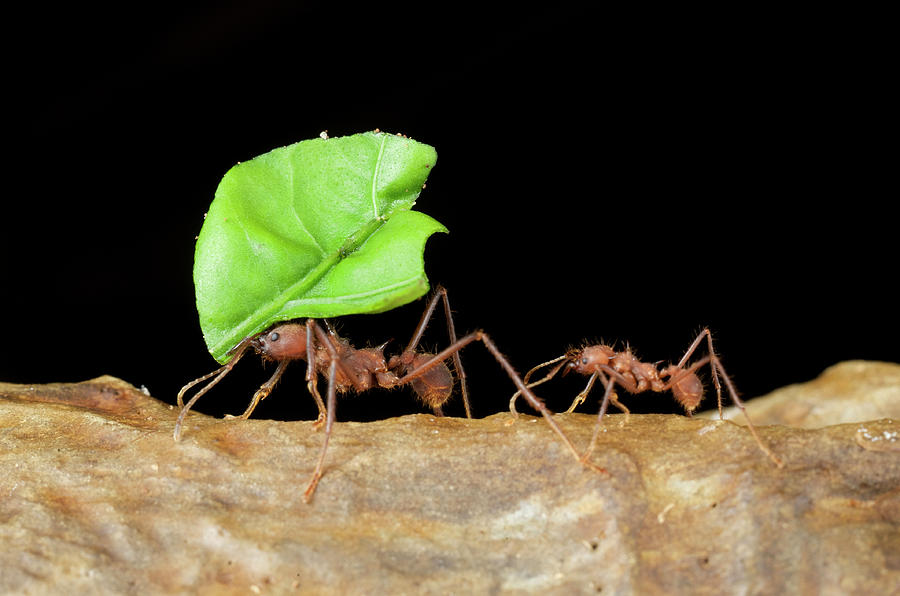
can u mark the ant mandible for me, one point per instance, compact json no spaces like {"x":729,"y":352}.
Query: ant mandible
{"x":623,"y":368}
{"x":354,"y":369}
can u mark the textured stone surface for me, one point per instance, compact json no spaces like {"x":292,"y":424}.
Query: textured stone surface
{"x":96,"y":497}
{"x":851,"y":391}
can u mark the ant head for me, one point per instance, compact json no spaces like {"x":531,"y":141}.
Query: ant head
{"x":587,"y":360}
{"x":283,"y":342}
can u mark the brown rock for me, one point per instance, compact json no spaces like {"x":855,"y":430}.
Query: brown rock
{"x":852,"y":391}
{"x":97,"y":497}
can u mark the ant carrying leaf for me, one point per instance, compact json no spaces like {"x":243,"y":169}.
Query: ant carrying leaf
{"x":318,"y":229}
{"x":321,"y":228}
{"x":359,"y":369}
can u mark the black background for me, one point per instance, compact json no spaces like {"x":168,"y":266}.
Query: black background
{"x":631,"y":177}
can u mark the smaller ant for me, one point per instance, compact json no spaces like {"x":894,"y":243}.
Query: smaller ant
{"x":354,"y":369}
{"x":623,"y":368}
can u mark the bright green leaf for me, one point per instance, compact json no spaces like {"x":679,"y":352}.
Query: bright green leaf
{"x":320,"y":228}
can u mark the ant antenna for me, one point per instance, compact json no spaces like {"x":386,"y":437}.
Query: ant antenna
{"x":219,"y":373}
{"x":525,"y":379}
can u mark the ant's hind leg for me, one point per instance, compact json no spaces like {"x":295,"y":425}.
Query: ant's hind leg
{"x":740,"y":404}
{"x":712,"y":358}
{"x":440,"y":293}
{"x":718,"y":370}
{"x":533,"y":400}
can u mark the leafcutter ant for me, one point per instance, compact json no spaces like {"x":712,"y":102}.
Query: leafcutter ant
{"x":353,"y":369}
{"x":624,"y":369}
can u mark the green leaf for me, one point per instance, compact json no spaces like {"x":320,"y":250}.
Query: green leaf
{"x":320,"y":228}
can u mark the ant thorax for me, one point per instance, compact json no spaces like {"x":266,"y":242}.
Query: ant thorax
{"x":361,"y":369}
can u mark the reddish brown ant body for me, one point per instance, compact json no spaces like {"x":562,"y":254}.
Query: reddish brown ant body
{"x":354,"y":369}
{"x":624,"y":369}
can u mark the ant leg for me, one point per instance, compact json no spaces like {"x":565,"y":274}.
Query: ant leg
{"x":712,"y":354}
{"x":550,"y":375}
{"x":311,"y":373}
{"x":219,"y":373}
{"x":457,"y":360}
{"x":579,"y":399}
{"x":603,"y":405}
{"x":614,"y":400}
{"x":740,"y":404}
{"x":713,"y":359}
{"x":329,"y":422}
{"x":440,"y":293}
{"x":532,"y":399}
{"x":330,"y":408}
{"x":608,"y":397}
{"x":264,"y":390}
{"x":717,"y":368}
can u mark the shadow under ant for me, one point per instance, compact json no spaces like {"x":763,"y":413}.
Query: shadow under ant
{"x":358,"y":369}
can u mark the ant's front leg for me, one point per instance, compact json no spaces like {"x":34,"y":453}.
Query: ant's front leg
{"x":579,"y":399}
{"x":611,"y":395}
{"x":262,"y":393}
{"x":607,"y":396}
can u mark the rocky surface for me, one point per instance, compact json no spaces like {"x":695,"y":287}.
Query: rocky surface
{"x":97,"y":497}
{"x":852,"y":391}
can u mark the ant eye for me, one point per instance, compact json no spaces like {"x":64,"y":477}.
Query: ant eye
{"x":273,"y":336}
{"x":584,"y":360}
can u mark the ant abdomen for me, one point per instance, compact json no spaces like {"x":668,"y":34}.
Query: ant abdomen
{"x":434,"y":386}
{"x":687,"y":389}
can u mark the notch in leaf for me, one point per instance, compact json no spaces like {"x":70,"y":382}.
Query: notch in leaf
{"x":320,"y":228}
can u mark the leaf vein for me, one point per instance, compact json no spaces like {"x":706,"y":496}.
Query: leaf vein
{"x":378,"y":162}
